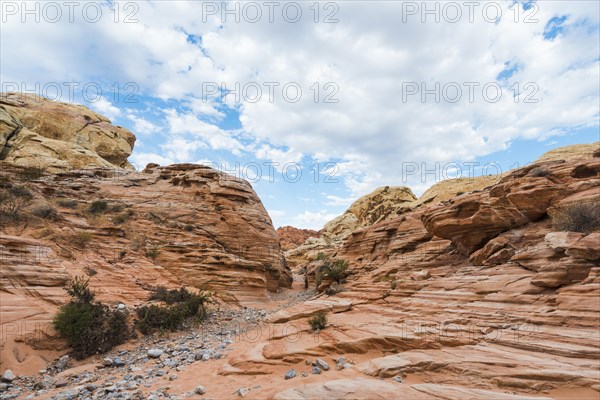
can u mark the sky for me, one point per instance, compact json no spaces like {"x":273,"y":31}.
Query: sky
{"x":317,"y":103}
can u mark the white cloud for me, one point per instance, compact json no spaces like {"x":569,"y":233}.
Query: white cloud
{"x":370,"y":56}
{"x":106,"y":108}
{"x":204,"y":132}
{"x":142,"y":126}
{"x":337,"y":201}
{"x":140,"y":160}
{"x":312,"y":220}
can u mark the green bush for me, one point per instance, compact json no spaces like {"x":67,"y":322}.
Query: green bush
{"x":318,"y":321}
{"x":171,"y":296}
{"x":337,"y":271}
{"x":89,"y":328}
{"x":98,"y":207}
{"x":79,"y":290}
{"x":182,"y":305}
{"x":578,"y":217}
{"x":152,"y":252}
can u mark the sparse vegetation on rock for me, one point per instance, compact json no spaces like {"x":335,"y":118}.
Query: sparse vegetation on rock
{"x":13,"y":200}
{"x":181,"y":306}
{"x":98,"y":207}
{"x":578,"y":217}
{"x":89,"y":327}
{"x":45,"y":211}
{"x":318,"y":321}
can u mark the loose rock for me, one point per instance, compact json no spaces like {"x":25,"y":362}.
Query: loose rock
{"x":290,"y":374}
{"x":200,"y":390}
{"x":155,"y":353}
{"x":8,"y":376}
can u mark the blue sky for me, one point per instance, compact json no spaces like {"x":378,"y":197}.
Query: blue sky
{"x":353,"y":95}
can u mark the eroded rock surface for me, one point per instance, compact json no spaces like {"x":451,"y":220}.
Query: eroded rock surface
{"x":50,"y":136}
{"x":184,"y":225}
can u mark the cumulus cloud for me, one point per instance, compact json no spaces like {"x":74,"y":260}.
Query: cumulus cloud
{"x":312,"y":220}
{"x":142,"y":126}
{"x":140,"y":160}
{"x":106,"y":108}
{"x":378,"y":89}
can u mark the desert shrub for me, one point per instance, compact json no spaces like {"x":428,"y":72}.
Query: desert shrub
{"x":45,"y":211}
{"x":13,"y":200}
{"x":67,"y":203}
{"x":98,"y":207}
{"x":82,"y":237}
{"x":183,"y":305}
{"x":578,"y":217}
{"x":540,"y":172}
{"x":460,"y":193}
{"x":171,"y":296}
{"x":122,"y":217}
{"x":321,"y":256}
{"x":152,"y":252}
{"x":89,"y":328}
{"x":336,"y":270}
{"x":318,"y":321}
{"x":79,"y":290}
{"x":189,"y":228}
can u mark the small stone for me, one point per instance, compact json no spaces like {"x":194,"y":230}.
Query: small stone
{"x":397,"y":379}
{"x":243,"y":392}
{"x":118,"y":362}
{"x":200,"y":390}
{"x":61,"y":383}
{"x":42,"y":371}
{"x":155,"y":353}
{"x":121,"y":306}
{"x":347,"y":365}
{"x":322,"y":364}
{"x":160,"y":372}
{"x":3,"y":387}
{"x":206,"y":357}
{"x":341,"y":360}
{"x":316,"y":370}
{"x":62,"y":363}
{"x":8,"y":376}
{"x":291,"y":374}
{"x":135,"y":369}
{"x":304,"y":374}
{"x":153,"y":397}
{"x":91,"y":387}
{"x":107,"y":362}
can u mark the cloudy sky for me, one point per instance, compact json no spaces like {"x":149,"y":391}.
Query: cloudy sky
{"x":318,"y":103}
